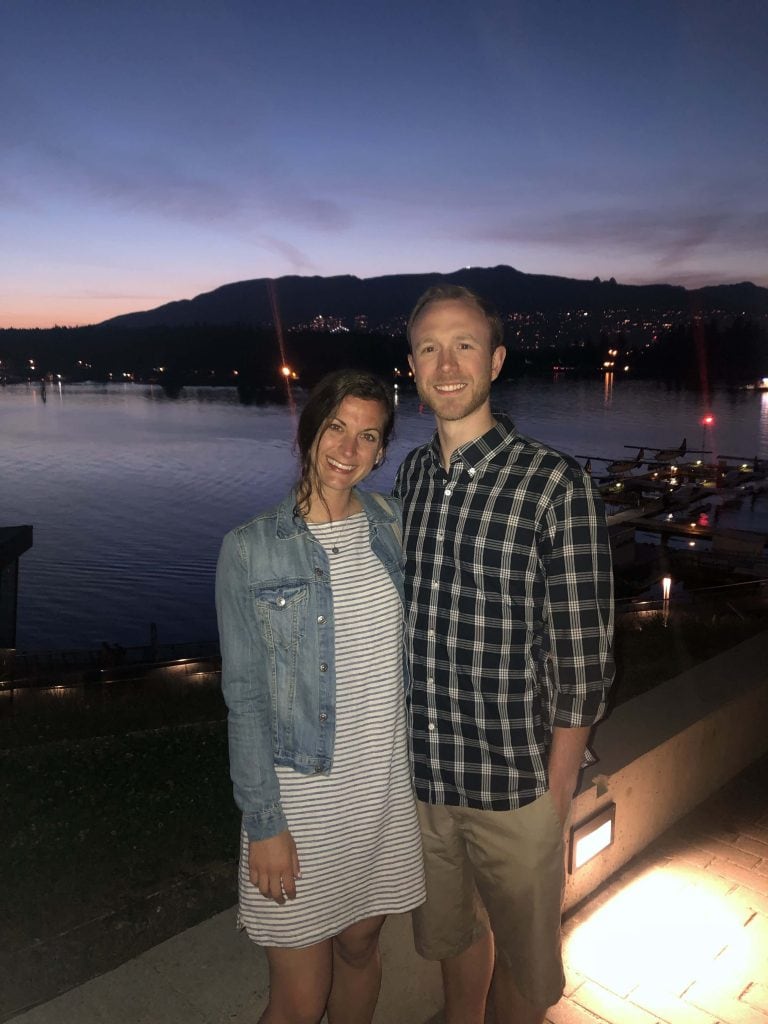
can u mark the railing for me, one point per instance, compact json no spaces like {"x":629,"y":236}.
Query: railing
{"x":71,"y":667}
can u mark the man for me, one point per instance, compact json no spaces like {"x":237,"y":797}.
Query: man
{"x":509,"y":630}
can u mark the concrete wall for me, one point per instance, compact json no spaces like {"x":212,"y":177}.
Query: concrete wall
{"x":665,"y":751}
{"x":661,"y":754}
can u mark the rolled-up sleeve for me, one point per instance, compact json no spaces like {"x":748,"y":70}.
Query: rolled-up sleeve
{"x":246,"y":690}
{"x":576,"y":557}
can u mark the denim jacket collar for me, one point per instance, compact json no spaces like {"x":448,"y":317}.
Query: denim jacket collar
{"x":290,"y":525}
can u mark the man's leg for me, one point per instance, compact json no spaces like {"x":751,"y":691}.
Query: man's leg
{"x":466,"y":979}
{"x":509,"y":1005}
{"x":517,"y":858}
{"x":452,"y":925}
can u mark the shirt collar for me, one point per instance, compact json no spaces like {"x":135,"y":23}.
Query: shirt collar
{"x":477,"y":453}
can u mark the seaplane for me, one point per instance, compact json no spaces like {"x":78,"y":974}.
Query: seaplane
{"x":614,"y":467}
{"x":624,"y":465}
{"x":671,"y":454}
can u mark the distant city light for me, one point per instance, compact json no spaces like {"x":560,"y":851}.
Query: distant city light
{"x":286,"y":371}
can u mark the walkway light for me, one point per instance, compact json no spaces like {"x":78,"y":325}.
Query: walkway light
{"x":592,"y":837}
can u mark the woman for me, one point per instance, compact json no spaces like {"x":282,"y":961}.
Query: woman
{"x":309,"y":601}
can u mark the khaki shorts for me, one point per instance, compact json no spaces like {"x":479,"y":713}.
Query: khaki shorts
{"x":497,"y":869}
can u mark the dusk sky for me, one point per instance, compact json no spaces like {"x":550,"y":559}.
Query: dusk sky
{"x":151,"y":150}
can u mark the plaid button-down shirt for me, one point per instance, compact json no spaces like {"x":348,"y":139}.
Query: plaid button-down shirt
{"x":509,"y":613}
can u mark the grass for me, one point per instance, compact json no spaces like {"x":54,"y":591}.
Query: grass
{"x":93,"y":822}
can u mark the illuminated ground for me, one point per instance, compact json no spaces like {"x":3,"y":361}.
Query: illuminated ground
{"x":681,"y":937}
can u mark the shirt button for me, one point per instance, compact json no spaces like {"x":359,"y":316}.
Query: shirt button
{"x":430,"y":679}
{"x":323,"y":716}
{"x":323,"y":666}
{"x":281,"y":602}
{"x":430,"y":632}
{"x":431,"y":726}
{"x":448,"y":492}
{"x":320,"y":620}
{"x":471,"y":471}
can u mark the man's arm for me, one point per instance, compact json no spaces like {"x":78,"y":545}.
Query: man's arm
{"x":576,"y":558}
{"x":565,"y":755}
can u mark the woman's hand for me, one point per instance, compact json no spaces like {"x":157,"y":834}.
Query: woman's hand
{"x":273,"y":866}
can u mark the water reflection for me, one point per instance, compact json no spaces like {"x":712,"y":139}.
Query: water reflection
{"x":763,"y":450}
{"x":130,"y":490}
{"x":607,"y":390}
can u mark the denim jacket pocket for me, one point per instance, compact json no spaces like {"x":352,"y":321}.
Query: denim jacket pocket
{"x":282,"y":614}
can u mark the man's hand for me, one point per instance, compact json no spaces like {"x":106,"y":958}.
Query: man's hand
{"x":562,"y":797}
{"x":564,"y":759}
{"x":273,"y":866}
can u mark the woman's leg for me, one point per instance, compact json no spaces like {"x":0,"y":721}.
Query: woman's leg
{"x":299,"y":983}
{"x":356,"y":973}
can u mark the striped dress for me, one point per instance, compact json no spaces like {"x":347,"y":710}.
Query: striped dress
{"x":356,"y":829}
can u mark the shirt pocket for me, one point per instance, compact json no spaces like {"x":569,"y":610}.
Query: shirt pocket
{"x":281,"y":612}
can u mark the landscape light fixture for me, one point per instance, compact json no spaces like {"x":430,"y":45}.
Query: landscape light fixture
{"x":592,"y":837}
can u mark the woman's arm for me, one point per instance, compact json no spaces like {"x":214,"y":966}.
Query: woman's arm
{"x":273,"y":860}
{"x":245,"y":685}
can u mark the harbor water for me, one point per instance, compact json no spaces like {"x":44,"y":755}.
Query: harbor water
{"x":130,"y":491}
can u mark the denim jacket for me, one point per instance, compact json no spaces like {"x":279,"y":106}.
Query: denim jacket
{"x":276,"y":629}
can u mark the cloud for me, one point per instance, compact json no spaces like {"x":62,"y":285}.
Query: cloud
{"x":669,"y":236}
{"x":161,"y":186}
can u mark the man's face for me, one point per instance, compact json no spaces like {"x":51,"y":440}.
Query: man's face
{"x":451,"y":358}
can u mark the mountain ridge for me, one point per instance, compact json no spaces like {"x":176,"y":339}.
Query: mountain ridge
{"x":385,"y":298}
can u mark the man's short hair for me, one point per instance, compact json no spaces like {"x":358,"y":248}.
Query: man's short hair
{"x":444,"y":292}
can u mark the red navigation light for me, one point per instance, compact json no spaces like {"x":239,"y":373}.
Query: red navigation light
{"x":708,"y":420}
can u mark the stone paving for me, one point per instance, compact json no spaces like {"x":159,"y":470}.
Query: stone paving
{"x":681,"y":937}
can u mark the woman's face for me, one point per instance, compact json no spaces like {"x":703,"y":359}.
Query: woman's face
{"x":349,"y":445}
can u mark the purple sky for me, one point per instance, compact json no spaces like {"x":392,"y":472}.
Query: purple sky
{"x":154,"y":149}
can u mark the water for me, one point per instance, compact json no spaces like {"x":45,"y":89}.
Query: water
{"x":130,"y":492}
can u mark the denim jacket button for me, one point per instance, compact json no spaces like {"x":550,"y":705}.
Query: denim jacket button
{"x":318,"y":572}
{"x":323,"y":716}
{"x":281,"y":602}
{"x":323,"y":666}
{"x":320,"y":620}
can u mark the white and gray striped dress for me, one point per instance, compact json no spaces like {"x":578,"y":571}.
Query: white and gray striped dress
{"x":356,"y":830}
